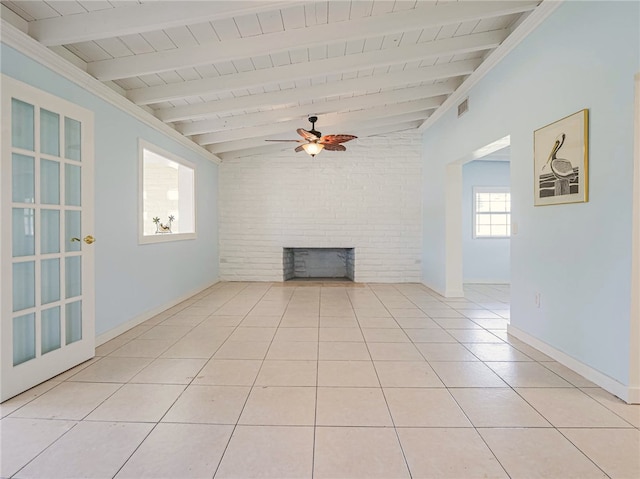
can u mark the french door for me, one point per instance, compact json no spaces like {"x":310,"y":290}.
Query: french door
{"x":46,"y":252}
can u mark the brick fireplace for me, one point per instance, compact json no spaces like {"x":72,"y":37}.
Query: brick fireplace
{"x":368,"y":199}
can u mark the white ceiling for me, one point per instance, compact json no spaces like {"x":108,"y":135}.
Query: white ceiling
{"x":231,"y":74}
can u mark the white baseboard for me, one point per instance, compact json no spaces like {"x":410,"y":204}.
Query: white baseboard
{"x":445,"y":293}
{"x":433,"y":288}
{"x":628,"y":394}
{"x":487,"y":281}
{"x":454,"y":293}
{"x":141,"y":318}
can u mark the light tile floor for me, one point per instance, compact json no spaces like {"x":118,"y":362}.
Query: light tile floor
{"x":323,"y":380}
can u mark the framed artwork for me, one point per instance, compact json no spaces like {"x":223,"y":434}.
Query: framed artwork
{"x":561,"y":161}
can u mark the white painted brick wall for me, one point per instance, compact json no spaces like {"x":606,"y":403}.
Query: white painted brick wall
{"x":368,"y":198}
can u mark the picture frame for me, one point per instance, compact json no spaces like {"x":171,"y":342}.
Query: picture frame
{"x":561,"y":161}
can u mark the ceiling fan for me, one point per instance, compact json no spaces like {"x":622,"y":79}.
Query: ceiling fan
{"x":314,"y":142}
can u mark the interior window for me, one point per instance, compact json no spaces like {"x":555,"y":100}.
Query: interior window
{"x":167,"y":196}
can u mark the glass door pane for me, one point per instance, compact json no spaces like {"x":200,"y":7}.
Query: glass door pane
{"x":50,"y":330}
{"x":73,"y":273}
{"x":73,"y":322}
{"x":24,"y":338}
{"x":72,"y":230}
{"x":72,"y":138}
{"x":24,"y":285}
{"x":50,"y":280}
{"x":22,"y":125}
{"x":49,"y":133}
{"x":49,"y":231}
{"x":50,"y":182}
{"x":23,"y":179}
{"x":72,"y":185}
{"x":24,"y":231}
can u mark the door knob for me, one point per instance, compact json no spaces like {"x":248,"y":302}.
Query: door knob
{"x":87,"y":239}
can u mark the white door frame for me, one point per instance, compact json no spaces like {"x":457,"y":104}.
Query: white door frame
{"x":453,"y":216}
{"x":634,"y":319}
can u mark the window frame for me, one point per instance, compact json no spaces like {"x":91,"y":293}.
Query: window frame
{"x":162,"y":238}
{"x":475,"y":213}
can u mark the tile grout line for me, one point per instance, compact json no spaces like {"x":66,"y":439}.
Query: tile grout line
{"x":235,"y":426}
{"x":378,"y":292}
{"x":315,"y":411}
{"x":395,"y":429}
{"x":553,"y":427}
{"x":465,"y":413}
{"x":157,"y":423}
{"x":45,"y":449}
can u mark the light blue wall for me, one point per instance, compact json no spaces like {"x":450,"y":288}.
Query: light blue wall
{"x":132,"y":279}
{"x":484,"y":260}
{"x":577,"y":256}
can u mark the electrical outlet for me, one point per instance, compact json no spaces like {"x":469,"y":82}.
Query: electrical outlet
{"x":537,"y":299}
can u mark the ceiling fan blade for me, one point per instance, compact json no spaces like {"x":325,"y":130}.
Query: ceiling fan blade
{"x":334,"y":147}
{"x":307,"y":135}
{"x":328,"y":142}
{"x":335,"y":139}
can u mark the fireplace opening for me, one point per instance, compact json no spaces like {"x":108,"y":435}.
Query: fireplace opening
{"x":318,"y":263}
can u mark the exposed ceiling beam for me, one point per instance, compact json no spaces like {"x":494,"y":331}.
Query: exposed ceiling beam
{"x":371,"y":83}
{"x":343,"y":104}
{"x":386,"y":129}
{"x":22,"y":43}
{"x":337,"y":65}
{"x":267,"y":148}
{"x":207,"y":54}
{"x":346,"y":126}
{"x":524,"y":28}
{"x":14,"y":19}
{"x":146,"y":17}
{"x":327,"y":120}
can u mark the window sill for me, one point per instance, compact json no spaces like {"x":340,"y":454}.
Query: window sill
{"x":166,"y":237}
{"x":490,"y":237}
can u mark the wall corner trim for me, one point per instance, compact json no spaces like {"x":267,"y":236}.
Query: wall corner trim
{"x":631,"y":395}
{"x":141,"y":318}
{"x":14,"y":38}
{"x":634,"y":319}
{"x":546,"y":8}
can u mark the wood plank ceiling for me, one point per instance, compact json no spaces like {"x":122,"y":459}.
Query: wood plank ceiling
{"x":231,"y":74}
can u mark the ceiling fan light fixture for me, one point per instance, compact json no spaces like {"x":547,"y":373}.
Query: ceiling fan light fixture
{"x":313,"y":148}
{"x":313,"y":142}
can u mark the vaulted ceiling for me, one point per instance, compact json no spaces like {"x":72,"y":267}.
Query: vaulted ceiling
{"x":231,"y":74}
